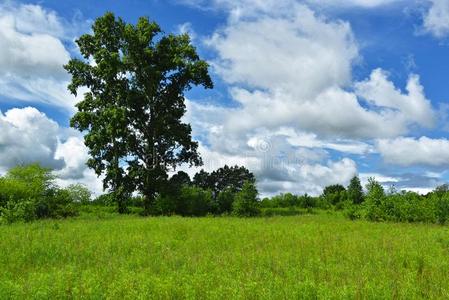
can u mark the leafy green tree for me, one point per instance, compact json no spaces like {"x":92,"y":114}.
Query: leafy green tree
{"x":245,"y":203}
{"x":29,"y":192}
{"x":223,"y":178}
{"x":203,"y":180}
{"x":136,"y":78}
{"x":375,"y":200}
{"x":375,"y":190}
{"x":334,"y":194}
{"x":225,"y":200}
{"x":355,"y":191}
{"x":441,"y":190}
{"x":333,"y":189}
{"x":194,"y":201}
{"x":179,"y":179}
{"x":79,"y":193}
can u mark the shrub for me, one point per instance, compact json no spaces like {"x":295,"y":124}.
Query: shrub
{"x":225,"y":200}
{"x":442,"y":208}
{"x":28,"y":193}
{"x":79,"y":193}
{"x":245,"y":203}
{"x":194,"y":201}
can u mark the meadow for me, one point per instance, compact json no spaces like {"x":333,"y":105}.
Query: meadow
{"x":309,"y":256}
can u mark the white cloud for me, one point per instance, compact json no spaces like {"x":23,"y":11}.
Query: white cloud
{"x":295,"y":69}
{"x":436,"y":19}
{"x":406,"y":151}
{"x":239,"y":8}
{"x":281,"y":52}
{"x":29,"y":136}
{"x":413,"y":106}
{"x":32,"y":55}
{"x":290,"y":72}
{"x":359,"y":3}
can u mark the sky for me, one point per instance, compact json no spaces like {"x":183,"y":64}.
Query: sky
{"x":307,"y":93}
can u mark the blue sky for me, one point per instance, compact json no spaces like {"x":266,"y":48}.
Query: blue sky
{"x":307,"y":93}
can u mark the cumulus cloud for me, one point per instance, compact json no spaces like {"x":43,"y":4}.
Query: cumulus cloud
{"x":406,"y":151}
{"x":32,"y":55}
{"x":29,"y":136}
{"x":295,"y":69}
{"x":290,"y":74}
{"x":356,"y":3}
{"x":245,"y":7}
{"x":436,"y":19}
{"x":413,"y":106}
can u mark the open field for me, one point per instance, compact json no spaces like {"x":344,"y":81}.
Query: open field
{"x":310,"y":256}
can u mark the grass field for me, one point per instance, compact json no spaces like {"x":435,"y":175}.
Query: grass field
{"x":310,"y":256}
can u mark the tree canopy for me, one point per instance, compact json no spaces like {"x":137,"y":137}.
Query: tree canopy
{"x":135,"y":77}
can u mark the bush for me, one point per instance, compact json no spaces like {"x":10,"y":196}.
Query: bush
{"x":79,"y":193}
{"x":194,"y":201}
{"x":442,"y":208}
{"x":245,"y":203}
{"x":28,"y":193}
{"x":225,"y":200}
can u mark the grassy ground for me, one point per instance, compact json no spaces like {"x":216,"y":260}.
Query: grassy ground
{"x":317,"y":256}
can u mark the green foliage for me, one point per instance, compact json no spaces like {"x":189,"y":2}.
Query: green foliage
{"x":232,"y":178}
{"x":28,"y":193}
{"x":355,"y":191}
{"x":224,"y":201}
{"x":194,"y":201}
{"x":106,"y":199}
{"x":79,"y":193}
{"x":334,"y":195}
{"x":245,"y":203}
{"x":133,"y":108}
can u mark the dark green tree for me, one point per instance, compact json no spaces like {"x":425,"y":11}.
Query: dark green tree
{"x":203,"y":180}
{"x":224,"y":201}
{"x":246,"y":203}
{"x":226,"y":177}
{"x":333,"y":189}
{"x":135,"y":78}
{"x":334,"y":194}
{"x":355,"y":191}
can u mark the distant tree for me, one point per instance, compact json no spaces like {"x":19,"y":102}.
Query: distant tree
{"x":333,"y":189}
{"x":375,"y":191}
{"x":334,"y":194}
{"x":194,"y":201}
{"x":355,"y":191}
{"x":203,"y":180}
{"x":224,"y":201}
{"x":132,"y":111}
{"x":79,"y":193}
{"x":232,"y":178}
{"x":441,"y":190}
{"x":179,"y":179}
{"x":245,"y":203}
{"x":223,"y":178}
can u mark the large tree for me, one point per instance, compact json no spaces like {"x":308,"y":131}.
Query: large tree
{"x":135,"y":78}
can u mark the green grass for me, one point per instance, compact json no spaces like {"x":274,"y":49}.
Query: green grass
{"x":308,"y":256}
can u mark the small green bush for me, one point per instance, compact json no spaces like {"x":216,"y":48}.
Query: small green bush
{"x":28,"y":193}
